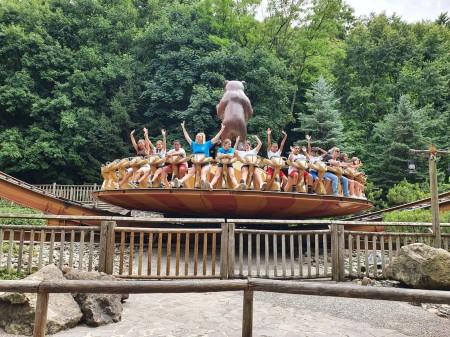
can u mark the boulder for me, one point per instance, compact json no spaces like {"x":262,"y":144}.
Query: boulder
{"x":17,"y":310}
{"x":97,"y":309}
{"x":421,"y":266}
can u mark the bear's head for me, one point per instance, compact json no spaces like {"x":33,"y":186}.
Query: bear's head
{"x":234,"y":85}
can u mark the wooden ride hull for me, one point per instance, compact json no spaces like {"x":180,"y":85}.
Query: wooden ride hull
{"x":230,"y":203}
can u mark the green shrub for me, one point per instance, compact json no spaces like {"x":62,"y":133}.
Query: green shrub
{"x":9,"y":207}
{"x":12,"y":275}
{"x":417,"y":215}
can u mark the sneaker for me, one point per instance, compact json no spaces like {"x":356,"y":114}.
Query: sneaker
{"x":294,"y":189}
{"x":134,"y":184}
{"x":242,"y":181}
{"x":150,"y":184}
{"x":162,"y":185}
{"x":176,"y":183}
{"x":347,"y":195}
{"x":241,"y":186}
{"x":116,"y":185}
{"x":264,"y":186}
{"x":207,"y":186}
{"x":202,"y":184}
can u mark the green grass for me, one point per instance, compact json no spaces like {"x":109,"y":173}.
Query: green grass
{"x":9,"y":207}
{"x":12,"y":275}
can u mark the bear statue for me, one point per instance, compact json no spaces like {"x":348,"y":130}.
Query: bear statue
{"x":234,"y":109}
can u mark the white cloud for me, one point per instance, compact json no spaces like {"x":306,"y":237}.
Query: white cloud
{"x":409,"y":10}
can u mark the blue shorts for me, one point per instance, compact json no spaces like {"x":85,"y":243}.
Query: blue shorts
{"x":314,"y":174}
{"x":221,"y":165}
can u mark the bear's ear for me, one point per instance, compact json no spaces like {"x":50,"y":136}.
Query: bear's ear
{"x":225,"y":82}
{"x":243,"y":82}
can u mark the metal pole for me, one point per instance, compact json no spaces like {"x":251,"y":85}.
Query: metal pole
{"x":434,"y":201}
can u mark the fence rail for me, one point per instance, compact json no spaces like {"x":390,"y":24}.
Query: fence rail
{"x":224,"y":251}
{"x":79,"y":193}
{"x":249,"y":286}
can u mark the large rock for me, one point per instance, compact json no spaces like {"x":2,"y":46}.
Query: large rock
{"x":97,"y":309}
{"x":421,"y":266}
{"x":17,"y":310}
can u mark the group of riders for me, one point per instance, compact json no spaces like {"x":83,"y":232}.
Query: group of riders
{"x":312,"y":167}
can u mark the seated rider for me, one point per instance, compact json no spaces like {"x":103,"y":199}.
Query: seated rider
{"x":225,"y":152}
{"x":177,"y":150}
{"x":200,"y":146}
{"x":332,"y":160}
{"x":160,"y":151}
{"x":142,"y":148}
{"x":293,"y":171}
{"x":274,"y":151}
{"x":249,"y":151}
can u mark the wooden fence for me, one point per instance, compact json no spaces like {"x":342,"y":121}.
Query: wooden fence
{"x":228,"y":250}
{"x":78,"y":193}
{"x":248,"y":287}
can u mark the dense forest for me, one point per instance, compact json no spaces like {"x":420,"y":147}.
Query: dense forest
{"x":76,"y":76}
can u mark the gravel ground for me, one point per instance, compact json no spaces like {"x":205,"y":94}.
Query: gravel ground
{"x":403,"y":317}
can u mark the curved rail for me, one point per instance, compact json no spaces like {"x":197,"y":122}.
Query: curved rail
{"x":27,"y":195}
{"x":444,"y":205}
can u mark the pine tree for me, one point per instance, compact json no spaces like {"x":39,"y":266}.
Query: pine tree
{"x":323,"y":119}
{"x":398,"y":132}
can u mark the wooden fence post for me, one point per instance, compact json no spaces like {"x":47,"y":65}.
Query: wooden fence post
{"x":247,"y":319}
{"x":341,"y":248}
{"x":230,"y":247}
{"x":106,"y":254}
{"x":337,"y":252}
{"x":224,"y":252}
{"x":434,"y":201}
{"x":40,"y":317}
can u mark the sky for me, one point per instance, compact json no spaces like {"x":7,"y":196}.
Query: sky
{"x":409,"y":10}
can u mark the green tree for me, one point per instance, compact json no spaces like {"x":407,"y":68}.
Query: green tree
{"x":323,"y":120}
{"x":398,"y":132}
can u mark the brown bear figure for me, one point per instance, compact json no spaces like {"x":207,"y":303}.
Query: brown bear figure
{"x":234,"y":109}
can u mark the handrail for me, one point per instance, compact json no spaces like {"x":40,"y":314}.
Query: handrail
{"x":248,"y":286}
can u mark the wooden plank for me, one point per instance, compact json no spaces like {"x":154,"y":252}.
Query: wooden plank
{"x":168,"y":252}
{"x":91,"y":249}
{"x":316,"y":253}
{"x":131,"y":254}
{"x":195,"y":254}
{"x":325,"y":254}
{"x":159,"y":258}
{"x":258,"y":255}
{"x":150,"y":254}
{"x":241,"y":254}
{"x":275,"y":255}
{"x":205,"y":252}
{"x":341,"y":248}
{"x":72,"y":239}
{"x":103,"y":246}
{"x":350,"y":255}
{"x":52,"y":246}
{"x":10,"y":251}
{"x":300,"y":254}
{"x":266,"y":254}
{"x":358,"y":254}
{"x":186,"y":255}
{"x":213,"y":254}
{"x":20,"y":255}
{"x":366,"y":253}
{"x":231,"y":249}
{"x":122,"y":252}
{"x":283,"y":254}
{"x":224,"y":251}
{"x":1,"y":246}
{"x":249,"y":255}
{"x":81,"y":250}
{"x":141,"y":252}
{"x":109,"y":261}
{"x":291,"y":250}
{"x":30,"y":251}
{"x":308,"y":253}
{"x":383,"y":264}
{"x":177,"y":254}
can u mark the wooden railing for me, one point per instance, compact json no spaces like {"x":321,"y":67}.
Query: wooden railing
{"x":79,"y":193}
{"x":249,"y":286}
{"x":225,"y":251}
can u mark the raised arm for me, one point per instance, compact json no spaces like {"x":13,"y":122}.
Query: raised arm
{"x":269,"y":132}
{"x":147,"y":141}
{"x":305,"y":152}
{"x":236,"y":145}
{"x":186,"y":135}
{"x":258,"y":146}
{"x":324,"y":153}
{"x":283,"y":141}
{"x":163,"y":132}
{"x":216,"y":137}
{"x":133,"y":141}
{"x":308,"y":138}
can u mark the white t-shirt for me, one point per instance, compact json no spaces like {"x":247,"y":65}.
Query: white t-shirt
{"x":313,"y":159}
{"x":181,"y":150}
{"x":271,"y":154}
{"x":242,"y":154}
{"x":294,"y":158}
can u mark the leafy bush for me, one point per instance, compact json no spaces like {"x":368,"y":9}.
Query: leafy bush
{"x":418,"y":215}
{"x":9,"y":207}
{"x":406,"y":192}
